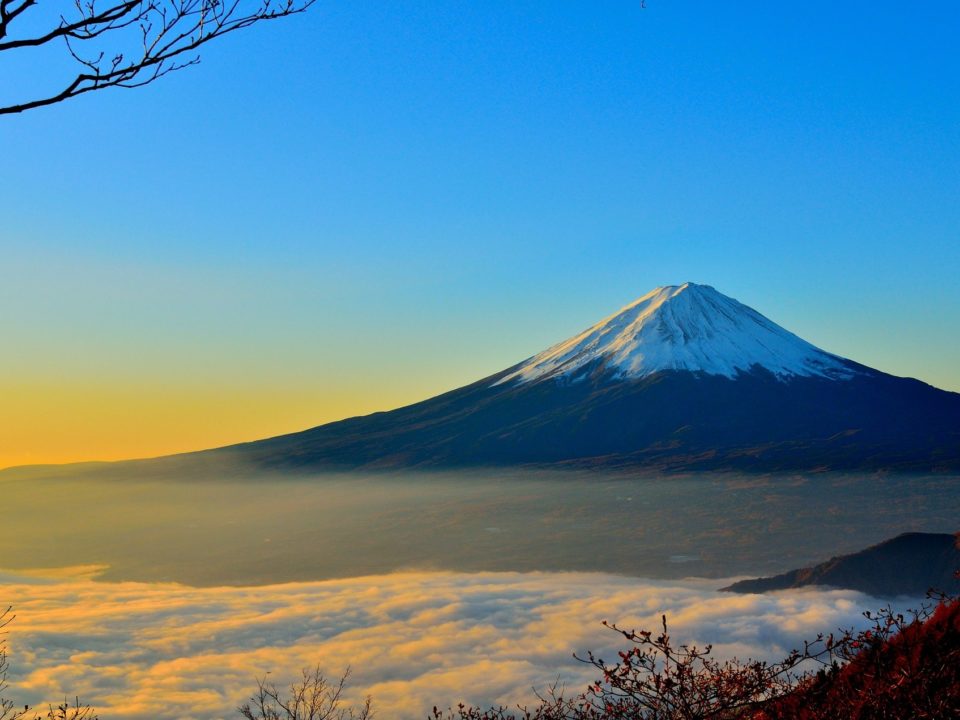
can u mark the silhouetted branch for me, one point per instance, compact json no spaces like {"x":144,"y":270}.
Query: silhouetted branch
{"x":312,"y":698}
{"x":9,"y":711}
{"x":133,"y":43}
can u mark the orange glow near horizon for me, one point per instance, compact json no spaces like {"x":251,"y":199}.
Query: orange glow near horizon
{"x":45,"y":423}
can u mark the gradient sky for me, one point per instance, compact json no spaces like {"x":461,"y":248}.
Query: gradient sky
{"x":375,"y":202}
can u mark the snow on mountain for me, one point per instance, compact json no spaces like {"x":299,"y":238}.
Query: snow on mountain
{"x":687,"y":327}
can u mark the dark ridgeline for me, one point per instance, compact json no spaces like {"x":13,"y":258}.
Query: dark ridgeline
{"x":909,"y":564}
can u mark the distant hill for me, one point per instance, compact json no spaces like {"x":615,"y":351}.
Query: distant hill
{"x":909,"y":564}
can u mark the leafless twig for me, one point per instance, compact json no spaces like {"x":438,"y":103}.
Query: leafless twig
{"x":132,"y":43}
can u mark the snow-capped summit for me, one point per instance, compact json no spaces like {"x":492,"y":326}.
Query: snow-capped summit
{"x":683,"y":327}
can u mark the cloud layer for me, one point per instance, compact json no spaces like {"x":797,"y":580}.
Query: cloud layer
{"x":163,"y":651}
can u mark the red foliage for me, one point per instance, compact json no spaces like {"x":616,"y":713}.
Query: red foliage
{"x":896,"y":670}
{"x":900,"y":668}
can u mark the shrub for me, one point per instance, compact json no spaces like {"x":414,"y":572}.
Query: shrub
{"x":10,"y":711}
{"x":313,"y":697}
{"x":902,"y":667}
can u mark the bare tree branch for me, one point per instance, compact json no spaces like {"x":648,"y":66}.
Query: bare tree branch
{"x":313,"y":697}
{"x":133,"y":43}
{"x":10,"y":711}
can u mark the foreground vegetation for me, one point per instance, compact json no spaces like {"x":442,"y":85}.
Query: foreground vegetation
{"x":901,"y":667}
{"x":10,"y":711}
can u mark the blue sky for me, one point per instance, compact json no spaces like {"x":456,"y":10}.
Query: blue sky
{"x":371,"y":203}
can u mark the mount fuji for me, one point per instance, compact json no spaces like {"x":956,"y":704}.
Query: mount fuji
{"x":685,"y":378}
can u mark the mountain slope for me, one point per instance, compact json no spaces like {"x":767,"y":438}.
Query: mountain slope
{"x":909,"y":564}
{"x":683,"y":379}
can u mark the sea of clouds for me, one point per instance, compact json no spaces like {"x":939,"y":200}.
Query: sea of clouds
{"x":413,"y":640}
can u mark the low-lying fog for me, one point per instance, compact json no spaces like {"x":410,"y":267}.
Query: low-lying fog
{"x":242,"y":529}
{"x":159,"y":651}
{"x":436,"y":588}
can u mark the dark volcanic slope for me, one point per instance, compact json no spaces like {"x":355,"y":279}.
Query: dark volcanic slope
{"x":909,"y":564}
{"x":671,"y":420}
